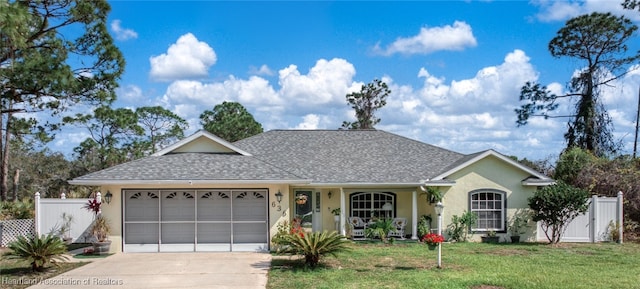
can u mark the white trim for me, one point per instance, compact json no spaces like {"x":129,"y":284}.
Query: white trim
{"x":196,"y":135}
{"x":364,"y":185}
{"x":182,"y":182}
{"x":438,"y":183}
{"x":484,"y":155}
{"x":537,"y":183}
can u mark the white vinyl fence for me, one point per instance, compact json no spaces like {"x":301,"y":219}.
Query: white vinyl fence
{"x":49,"y":217}
{"x":593,"y":226}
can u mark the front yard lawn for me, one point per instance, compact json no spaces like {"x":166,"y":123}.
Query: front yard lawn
{"x":17,"y":274}
{"x":467,"y":265}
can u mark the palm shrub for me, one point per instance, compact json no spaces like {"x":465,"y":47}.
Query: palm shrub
{"x":380,"y":228}
{"x":16,"y":210}
{"x":315,"y":245}
{"x":38,"y":250}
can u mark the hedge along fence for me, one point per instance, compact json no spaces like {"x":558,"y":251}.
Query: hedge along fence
{"x":11,"y":229}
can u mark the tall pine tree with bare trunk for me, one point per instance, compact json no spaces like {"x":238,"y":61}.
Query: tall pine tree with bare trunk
{"x":45,"y":67}
{"x":598,"y":41}
{"x":366,"y":102}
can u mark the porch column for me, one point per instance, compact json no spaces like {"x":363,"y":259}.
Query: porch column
{"x":342,"y":213}
{"x":414,"y":216}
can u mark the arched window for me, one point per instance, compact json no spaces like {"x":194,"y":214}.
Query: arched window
{"x":372,"y":204}
{"x":491,"y":207}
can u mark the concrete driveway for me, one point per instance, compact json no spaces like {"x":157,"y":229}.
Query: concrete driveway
{"x":168,"y":270}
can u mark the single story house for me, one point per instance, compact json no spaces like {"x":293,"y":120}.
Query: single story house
{"x":206,"y":194}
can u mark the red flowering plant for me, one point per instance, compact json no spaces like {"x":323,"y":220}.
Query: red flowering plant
{"x":432,"y":239}
{"x":281,"y":240}
{"x":93,"y":206}
{"x":296,"y":227}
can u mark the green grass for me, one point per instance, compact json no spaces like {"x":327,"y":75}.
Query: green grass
{"x":467,"y":265}
{"x":17,"y":271}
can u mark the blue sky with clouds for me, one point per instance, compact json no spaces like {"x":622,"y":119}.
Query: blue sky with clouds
{"x":455,"y":68}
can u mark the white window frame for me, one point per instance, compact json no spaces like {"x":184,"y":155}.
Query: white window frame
{"x":363,"y":210}
{"x":486,"y":203}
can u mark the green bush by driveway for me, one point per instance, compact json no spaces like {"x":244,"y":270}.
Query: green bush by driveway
{"x":467,"y":265}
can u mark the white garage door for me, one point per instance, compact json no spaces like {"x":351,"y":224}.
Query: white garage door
{"x":195,"y":220}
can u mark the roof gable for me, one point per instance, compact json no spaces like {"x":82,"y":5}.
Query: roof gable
{"x":474,"y":158}
{"x":202,"y":142}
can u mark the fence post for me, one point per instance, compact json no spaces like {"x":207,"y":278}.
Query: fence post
{"x":620,"y":220}
{"x":593,"y":215}
{"x":37,"y":213}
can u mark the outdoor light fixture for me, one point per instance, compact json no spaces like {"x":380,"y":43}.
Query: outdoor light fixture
{"x":439,"y":211}
{"x":439,"y":208}
{"x":279,"y":196}
{"x":107,"y":197}
{"x":329,"y":194}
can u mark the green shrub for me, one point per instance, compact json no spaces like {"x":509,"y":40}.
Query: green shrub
{"x":17,"y":210}
{"x":459,"y":228}
{"x":315,"y":245}
{"x":380,"y":228}
{"x":555,"y":206}
{"x":424,"y":225}
{"x":279,"y":240}
{"x":38,"y":250}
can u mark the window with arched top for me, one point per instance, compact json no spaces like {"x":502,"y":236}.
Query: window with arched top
{"x":491,"y":208}
{"x":367,"y":205}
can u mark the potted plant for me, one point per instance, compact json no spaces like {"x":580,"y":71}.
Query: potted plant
{"x":301,"y":199}
{"x":518,"y":225}
{"x":336,"y":214}
{"x":65,"y":229}
{"x":432,"y":240}
{"x":491,"y":237}
{"x":100,"y":229}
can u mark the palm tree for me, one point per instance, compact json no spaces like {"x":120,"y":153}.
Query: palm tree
{"x":39,"y":250}
{"x":380,"y":228}
{"x":315,"y":245}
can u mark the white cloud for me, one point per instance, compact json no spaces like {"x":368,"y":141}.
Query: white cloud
{"x":429,"y":40}
{"x":310,"y":121}
{"x":325,"y":86}
{"x":131,"y":94}
{"x":465,"y":115}
{"x":327,"y":82}
{"x":490,"y":87}
{"x":472,"y":114}
{"x":563,"y":10}
{"x":122,"y":33}
{"x":188,"y":58}
{"x":262,"y":70}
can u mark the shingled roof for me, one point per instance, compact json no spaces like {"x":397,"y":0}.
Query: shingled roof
{"x":350,"y":156}
{"x":314,"y":157}
{"x":190,"y":168}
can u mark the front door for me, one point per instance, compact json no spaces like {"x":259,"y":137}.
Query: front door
{"x":304,"y":208}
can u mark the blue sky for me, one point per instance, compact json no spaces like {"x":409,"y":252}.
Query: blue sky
{"x":454,"y":68}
